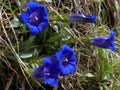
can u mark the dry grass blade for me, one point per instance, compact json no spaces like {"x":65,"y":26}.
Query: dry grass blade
{"x":7,"y":87}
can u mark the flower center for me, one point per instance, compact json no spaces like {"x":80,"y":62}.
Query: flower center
{"x":47,"y":71}
{"x":47,"y":74}
{"x":65,"y":61}
{"x":34,"y":19}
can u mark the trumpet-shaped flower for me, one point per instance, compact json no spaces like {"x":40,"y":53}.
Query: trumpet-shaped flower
{"x":61,"y":63}
{"x":48,"y":72}
{"x":82,"y":18}
{"x":35,"y":18}
{"x":105,"y":42}
{"x":68,"y":61}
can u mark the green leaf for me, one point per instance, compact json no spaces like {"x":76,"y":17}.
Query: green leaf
{"x":14,"y":23}
{"x":27,"y":43}
{"x":109,"y":68}
{"x":28,"y":71}
{"x":55,"y":27}
{"x":66,"y":38}
{"x":35,"y":53}
{"x":10,"y":56}
{"x":29,"y":52}
{"x":54,"y":17}
{"x":105,"y":67}
{"x":70,"y":31}
{"x":86,"y":40}
{"x":116,"y":63}
{"x":89,"y":75}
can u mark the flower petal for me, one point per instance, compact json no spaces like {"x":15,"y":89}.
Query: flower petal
{"x":24,"y":18}
{"x":68,"y":69}
{"x":58,"y":56}
{"x":91,"y":19}
{"x":105,"y":42}
{"x":42,"y":8}
{"x":82,"y":18}
{"x":112,"y":37}
{"x":112,"y":34}
{"x":33,"y":29}
{"x":32,"y":6}
{"x":38,"y":72}
{"x":67,"y":50}
{"x":47,"y":61}
{"x":52,"y":81}
{"x":112,"y":48}
{"x":73,"y":58}
{"x":42,"y":26}
{"x":51,"y":73}
{"x":102,"y":42}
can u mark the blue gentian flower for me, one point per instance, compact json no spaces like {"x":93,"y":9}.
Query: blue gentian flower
{"x":105,"y":42}
{"x":38,"y":73}
{"x":82,"y":18}
{"x":68,"y":61}
{"x":35,"y":18}
{"x":48,"y":72}
{"x":61,"y":63}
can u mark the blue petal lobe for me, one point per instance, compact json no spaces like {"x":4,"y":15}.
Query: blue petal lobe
{"x":24,"y":18}
{"x":59,"y":56}
{"x":38,"y":72}
{"x":33,"y":29}
{"x":56,"y":58}
{"x":112,"y":34}
{"x":67,"y":50}
{"x":51,"y":73}
{"x":43,"y":9}
{"x":73,"y":58}
{"x":112,"y":37}
{"x":47,"y":61}
{"x":51,"y":81}
{"x":68,"y":69}
{"x":42,"y":26}
{"x":113,"y":49}
{"x":32,"y":6}
{"x":91,"y":19}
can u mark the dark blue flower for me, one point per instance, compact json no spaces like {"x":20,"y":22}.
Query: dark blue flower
{"x":61,"y":63}
{"x":68,"y":61}
{"x":48,"y":72}
{"x":105,"y":42}
{"x":38,"y":72}
{"x":82,"y":18}
{"x":35,"y":18}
